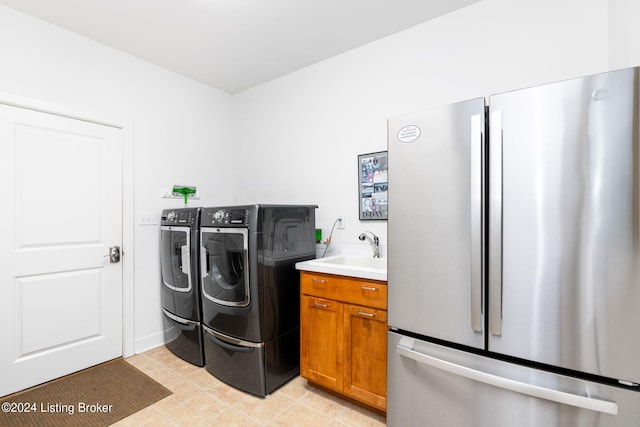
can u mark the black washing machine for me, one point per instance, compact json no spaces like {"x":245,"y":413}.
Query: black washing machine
{"x":180,"y":283}
{"x":251,"y":292}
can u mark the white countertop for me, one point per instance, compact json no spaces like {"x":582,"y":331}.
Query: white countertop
{"x":343,"y":265}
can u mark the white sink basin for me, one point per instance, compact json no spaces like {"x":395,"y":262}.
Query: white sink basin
{"x":354,"y":266}
{"x":355,"y":261}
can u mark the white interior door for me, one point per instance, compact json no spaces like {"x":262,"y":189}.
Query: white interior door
{"x":60,"y":297}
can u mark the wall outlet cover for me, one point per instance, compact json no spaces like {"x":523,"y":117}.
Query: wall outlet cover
{"x":147,"y":218}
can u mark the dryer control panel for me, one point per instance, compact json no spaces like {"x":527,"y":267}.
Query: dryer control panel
{"x":225,"y":216}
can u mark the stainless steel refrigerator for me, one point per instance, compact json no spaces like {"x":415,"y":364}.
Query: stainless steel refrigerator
{"x":514,"y":258}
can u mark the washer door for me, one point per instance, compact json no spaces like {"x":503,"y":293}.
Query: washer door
{"x":175,"y":250}
{"x":225,"y":265}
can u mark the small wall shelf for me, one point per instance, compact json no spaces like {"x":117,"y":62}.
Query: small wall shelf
{"x":169,"y":195}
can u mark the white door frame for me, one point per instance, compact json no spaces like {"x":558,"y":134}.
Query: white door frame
{"x":128,"y":335}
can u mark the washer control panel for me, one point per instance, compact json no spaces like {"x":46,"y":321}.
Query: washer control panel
{"x":179,"y":217}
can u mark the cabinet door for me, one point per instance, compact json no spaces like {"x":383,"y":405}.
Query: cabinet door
{"x":321,"y":342}
{"x":365,"y":330}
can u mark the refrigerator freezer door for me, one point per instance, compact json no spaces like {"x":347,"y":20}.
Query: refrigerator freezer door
{"x":564,"y":213}
{"x":435,"y":222}
{"x":434,"y":385}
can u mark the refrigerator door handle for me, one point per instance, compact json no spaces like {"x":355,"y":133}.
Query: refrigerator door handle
{"x":495,"y":224}
{"x":476,"y":222}
{"x":512,"y":385}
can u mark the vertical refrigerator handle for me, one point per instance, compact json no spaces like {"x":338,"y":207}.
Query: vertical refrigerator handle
{"x":495,"y":224}
{"x":477,"y":124}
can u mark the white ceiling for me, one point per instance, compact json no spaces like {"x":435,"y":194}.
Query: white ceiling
{"x":235,"y":44}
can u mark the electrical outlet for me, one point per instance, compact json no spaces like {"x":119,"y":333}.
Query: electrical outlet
{"x":147,"y":218}
{"x":340,"y":223}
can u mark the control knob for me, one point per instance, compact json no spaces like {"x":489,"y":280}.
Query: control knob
{"x":171,"y":216}
{"x":218,"y":216}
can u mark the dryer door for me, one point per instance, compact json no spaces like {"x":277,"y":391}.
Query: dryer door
{"x":175,"y":249}
{"x":225,"y":265}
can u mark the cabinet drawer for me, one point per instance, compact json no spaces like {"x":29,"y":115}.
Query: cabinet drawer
{"x":371,"y":293}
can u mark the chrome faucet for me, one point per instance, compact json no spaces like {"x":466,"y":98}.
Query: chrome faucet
{"x":375,"y":242}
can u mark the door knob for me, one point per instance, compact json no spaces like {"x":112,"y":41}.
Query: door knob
{"x":114,"y":254}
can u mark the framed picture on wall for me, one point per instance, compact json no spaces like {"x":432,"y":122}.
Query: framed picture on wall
{"x":372,"y":185}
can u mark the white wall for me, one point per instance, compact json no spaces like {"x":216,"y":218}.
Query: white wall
{"x":180,"y":129}
{"x":299,"y":136}
{"x":624,"y":33}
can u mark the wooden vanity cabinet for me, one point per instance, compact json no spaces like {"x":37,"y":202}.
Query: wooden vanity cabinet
{"x":343,"y":336}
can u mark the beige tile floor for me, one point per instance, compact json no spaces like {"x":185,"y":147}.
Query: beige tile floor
{"x":199,"y":399}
